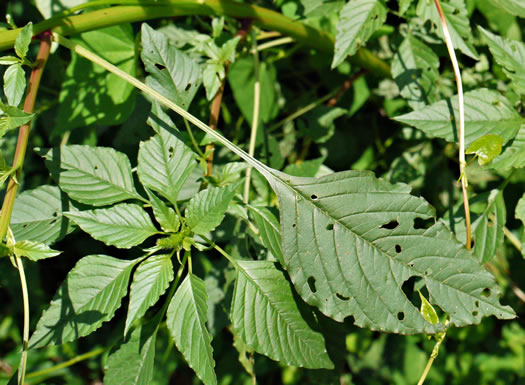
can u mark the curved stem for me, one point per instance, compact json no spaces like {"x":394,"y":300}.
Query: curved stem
{"x":461,"y":129}
{"x":433,"y":355}
{"x":147,"y":10}
{"x":25,"y":334}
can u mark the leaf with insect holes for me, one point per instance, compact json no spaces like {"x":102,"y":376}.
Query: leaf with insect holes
{"x":171,"y":72}
{"x":486,"y":112}
{"x":14,"y":84}
{"x":150,"y":281}
{"x":486,"y":148}
{"x":38,"y":215}
{"x":186,"y":321}
{"x":123,"y":225}
{"x":358,"y":20}
{"x":262,"y":297}
{"x":89,"y":296}
{"x":35,"y":251}
{"x":510,"y":54}
{"x":132,"y":361}
{"x":23,"y":40}
{"x":164,"y":161}
{"x":96,"y":176}
{"x":351,"y":240}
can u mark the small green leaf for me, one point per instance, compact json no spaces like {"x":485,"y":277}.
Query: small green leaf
{"x":96,"y":176}
{"x":132,"y":362}
{"x":90,"y":295}
{"x":186,"y":320}
{"x":23,"y":40}
{"x":427,"y":310}
{"x":520,"y":209}
{"x":167,"y":218}
{"x":206,"y":210}
{"x":34,"y":250}
{"x":266,"y":316}
{"x":269,"y":230}
{"x":8,"y":60}
{"x":486,"y":148}
{"x":12,"y":118}
{"x":150,"y":281}
{"x":358,"y":20}
{"x":123,"y":225}
{"x":14,"y":84}
{"x":38,"y":215}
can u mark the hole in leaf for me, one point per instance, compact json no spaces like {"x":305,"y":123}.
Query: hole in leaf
{"x":96,"y":167}
{"x":311,"y":284}
{"x":24,"y":226}
{"x":294,"y":225}
{"x":159,"y":66}
{"x":420,"y":223}
{"x":376,"y":17}
{"x":409,"y":289}
{"x":330,"y":227}
{"x":55,"y":214}
{"x":411,"y":264}
{"x":187,"y":87}
{"x":477,"y":303}
{"x":486,"y":292}
{"x":171,"y":150}
{"x":398,"y":249}
{"x":401,"y":316}
{"x":390,"y":225}
{"x":53,"y":222}
{"x":475,"y":313}
{"x":342,"y":297}
{"x":428,"y":272}
{"x":455,"y":12}
{"x":314,"y":197}
{"x":472,"y":242}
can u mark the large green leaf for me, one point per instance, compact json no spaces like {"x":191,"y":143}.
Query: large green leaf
{"x":14,"y":84}
{"x":89,"y":296}
{"x":486,"y":112}
{"x":206,"y":210}
{"x":266,"y":316}
{"x":123,"y":225}
{"x":38,"y":215}
{"x":171,"y":72}
{"x":164,"y":162}
{"x":150,"y":281}
{"x":132,"y":362}
{"x":186,"y":320}
{"x":269,"y":230}
{"x":510,"y":54}
{"x":90,"y":94}
{"x":514,"y":7}
{"x":513,"y":155}
{"x":350,"y":241}
{"x":358,"y":20}
{"x":96,"y":176}
{"x":415,"y":70}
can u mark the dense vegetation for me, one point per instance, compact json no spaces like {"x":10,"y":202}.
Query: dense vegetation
{"x":351,"y":208}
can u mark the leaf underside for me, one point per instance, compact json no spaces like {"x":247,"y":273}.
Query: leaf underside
{"x":351,"y":240}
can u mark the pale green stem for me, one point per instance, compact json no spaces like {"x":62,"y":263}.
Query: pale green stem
{"x":192,"y":138}
{"x":25,"y":334}
{"x":512,"y":238}
{"x":255,"y":117}
{"x":433,"y":355}
{"x":274,"y":43}
{"x":461,"y":123}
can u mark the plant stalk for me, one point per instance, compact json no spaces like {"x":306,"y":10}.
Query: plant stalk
{"x":23,"y":133}
{"x":461,"y":123}
{"x":25,"y":333}
{"x":147,"y":10}
{"x":433,"y":355}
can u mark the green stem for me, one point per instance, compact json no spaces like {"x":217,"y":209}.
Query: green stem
{"x":193,"y":141}
{"x":433,"y":355}
{"x":68,"y":363}
{"x":25,"y":334}
{"x":147,"y":10}
{"x":255,"y":116}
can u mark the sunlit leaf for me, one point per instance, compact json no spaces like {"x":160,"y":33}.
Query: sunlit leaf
{"x":14,"y":84}
{"x":486,"y":148}
{"x":514,"y":7}
{"x":427,"y":310}
{"x":23,"y":40}
{"x":35,"y":251}
{"x":167,"y":218}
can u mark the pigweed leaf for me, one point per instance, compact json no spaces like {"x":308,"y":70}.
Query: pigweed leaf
{"x":96,"y":176}
{"x":486,"y":112}
{"x":186,"y":320}
{"x":206,"y":210}
{"x":427,"y":310}
{"x":403,"y":5}
{"x":513,"y":155}
{"x":91,"y":95}
{"x":350,"y":240}
{"x":510,"y":54}
{"x":14,"y":84}
{"x":415,"y":70}
{"x":358,"y":20}
{"x":35,"y":251}
{"x":486,"y":148}
{"x":171,"y":72}
{"x":269,"y":230}
{"x":89,"y":296}
{"x":8,"y":60}
{"x":514,"y":7}
{"x":164,"y":161}
{"x":124,"y":225}
{"x":167,"y":218}
{"x":38,"y":215}
{"x":132,"y":362}
{"x":266,"y":316}
{"x":23,"y":40}
{"x":150,"y":281}
{"x":12,"y":117}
